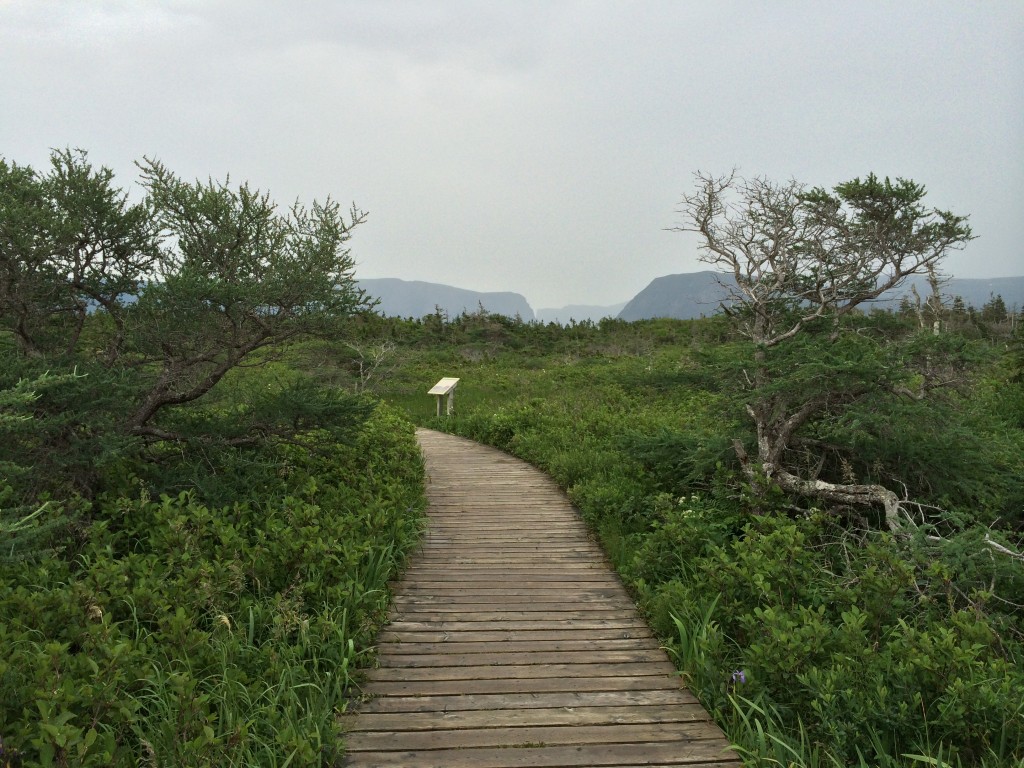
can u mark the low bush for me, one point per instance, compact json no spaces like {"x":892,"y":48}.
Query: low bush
{"x":183,"y":633}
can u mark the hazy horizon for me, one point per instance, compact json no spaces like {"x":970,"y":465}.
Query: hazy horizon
{"x":534,"y":147}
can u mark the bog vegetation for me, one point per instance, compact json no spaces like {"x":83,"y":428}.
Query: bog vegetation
{"x":208,"y":473}
{"x":197,"y":528}
{"x":815,"y":634}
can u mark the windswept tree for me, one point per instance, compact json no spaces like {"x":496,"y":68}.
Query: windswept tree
{"x":235,"y":275}
{"x":153,"y":302}
{"x":800,"y":262}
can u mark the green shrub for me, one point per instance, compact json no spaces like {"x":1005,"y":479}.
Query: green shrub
{"x":190,"y":634}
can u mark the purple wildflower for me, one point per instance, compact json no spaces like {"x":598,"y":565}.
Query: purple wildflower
{"x":739,"y":677}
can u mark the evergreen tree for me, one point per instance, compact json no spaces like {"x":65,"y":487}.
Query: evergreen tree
{"x":172,"y":292}
{"x":994,"y":310}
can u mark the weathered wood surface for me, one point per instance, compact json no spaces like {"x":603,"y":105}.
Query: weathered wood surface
{"x":512,"y":643}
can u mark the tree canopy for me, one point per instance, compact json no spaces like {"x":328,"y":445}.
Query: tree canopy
{"x":154,"y":301}
{"x":189,"y":280}
{"x":801,"y":262}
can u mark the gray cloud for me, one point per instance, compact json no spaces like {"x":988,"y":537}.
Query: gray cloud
{"x":533,"y":146}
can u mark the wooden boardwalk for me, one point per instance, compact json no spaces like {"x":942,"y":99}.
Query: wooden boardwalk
{"x":513,"y":644}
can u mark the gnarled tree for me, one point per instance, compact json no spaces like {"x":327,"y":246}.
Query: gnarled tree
{"x":236,"y":275}
{"x":159,"y":299}
{"x":799,"y":263}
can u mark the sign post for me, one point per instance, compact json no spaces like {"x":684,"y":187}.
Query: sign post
{"x":444,"y":387}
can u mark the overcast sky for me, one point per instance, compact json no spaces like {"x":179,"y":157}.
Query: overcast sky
{"x":537,"y":147}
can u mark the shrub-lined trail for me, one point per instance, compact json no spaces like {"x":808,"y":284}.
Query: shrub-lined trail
{"x":513,"y":644}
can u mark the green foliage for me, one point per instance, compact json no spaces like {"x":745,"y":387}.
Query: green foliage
{"x":191,"y":634}
{"x":240,"y":276}
{"x":994,"y":310}
{"x":801,"y":264}
{"x":158,"y":301}
{"x":814,"y":638}
{"x":69,"y":243}
{"x":851,"y":640}
{"x":1015,"y":361}
{"x":69,"y":434}
{"x":32,"y":525}
{"x":677,"y":461}
{"x":196,"y":535}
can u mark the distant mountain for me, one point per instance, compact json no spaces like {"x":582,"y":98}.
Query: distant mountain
{"x":413,"y":298}
{"x":578,"y":312}
{"x":691,"y":295}
{"x":682,"y":296}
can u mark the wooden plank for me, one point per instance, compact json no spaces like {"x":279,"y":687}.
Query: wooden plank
{"x":434,"y":635}
{"x":518,"y":718}
{"x":511,"y":595}
{"x":478,"y":557}
{"x":697,"y":754}
{"x":518,"y":611}
{"x":545,"y":595}
{"x":518,"y":606}
{"x":494,"y":704}
{"x":456,"y":586}
{"x":498,"y":657}
{"x":499,"y":613}
{"x":459,"y":596}
{"x":553,"y":735}
{"x":587,"y":569}
{"x":514,"y":685}
{"x":574,"y":573}
{"x":524,"y":671}
{"x":454,"y":625}
{"x":454,"y":646}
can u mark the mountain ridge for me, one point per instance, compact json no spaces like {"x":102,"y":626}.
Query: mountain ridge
{"x":695,"y":294}
{"x":416,"y":298}
{"x":683,"y":296}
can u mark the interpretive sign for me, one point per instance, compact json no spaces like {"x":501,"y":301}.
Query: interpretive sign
{"x":444,"y":387}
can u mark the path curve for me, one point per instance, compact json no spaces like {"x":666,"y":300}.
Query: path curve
{"x":512,"y":643}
